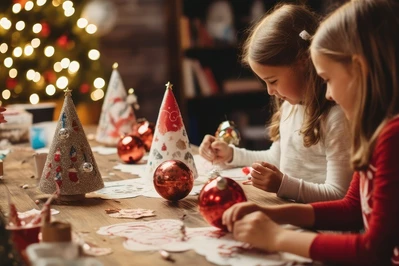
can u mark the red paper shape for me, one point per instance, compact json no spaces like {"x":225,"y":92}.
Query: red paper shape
{"x":169,"y":115}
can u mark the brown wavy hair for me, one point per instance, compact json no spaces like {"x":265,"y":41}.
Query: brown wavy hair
{"x":275,"y":41}
{"x":367,"y":29}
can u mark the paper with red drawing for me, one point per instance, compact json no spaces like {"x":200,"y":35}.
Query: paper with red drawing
{"x":217,"y":246}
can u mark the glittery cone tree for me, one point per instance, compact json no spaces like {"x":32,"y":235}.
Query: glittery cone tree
{"x":117,"y":115}
{"x":70,"y":162}
{"x":170,"y":140}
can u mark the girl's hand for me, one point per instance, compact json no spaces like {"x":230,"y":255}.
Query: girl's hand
{"x":258,"y":230}
{"x":2,"y":120}
{"x":266,"y":176}
{"x":216,"y":151}
{"x":236,"y":212}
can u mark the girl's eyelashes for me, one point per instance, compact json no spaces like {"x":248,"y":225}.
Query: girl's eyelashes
{"x":273,"y":82}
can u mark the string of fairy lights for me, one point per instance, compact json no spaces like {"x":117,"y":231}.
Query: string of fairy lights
{"x":65,"y":69}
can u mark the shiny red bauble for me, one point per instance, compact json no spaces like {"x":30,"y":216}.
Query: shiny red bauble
{"x":173,"y":180}
{"x":145,"y":130}
{"x":218,"y":195}
{"x":131,"y":149}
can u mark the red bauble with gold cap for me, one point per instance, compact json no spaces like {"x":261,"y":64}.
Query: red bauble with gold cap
{"x":131,"y":149}
{"x":173,"y":180}
{"x":218,"y":195}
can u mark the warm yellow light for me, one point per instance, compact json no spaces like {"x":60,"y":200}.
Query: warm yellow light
{"x":35,"y":42}
{"x":28,"y":50}
{"x":13,"y":73}
{"x":5,"y":23}
{"x":56,"y":3}
{"x":29,"y":5}
{"x":37,"y":77}
{"x":91,"y":28}
{"x":50,"y":89}
{"x":67,"y":5}
{"x":30,"y":74}
{"x":37,"y":28}
{"x":82,"y":23}
{"x":73,"y":67}
{"x":49,"y":51}
{"x":69,"y":12}
{"x":8,"y":62}
{"x":3,"y":48}
{"x":6,"y":94}
{"x":62,"y":82}
{"x":57,"y":67}
{"x":20,"y":25}
{"x":40,"y":2}
{"x":65,"y":62}
{"x":17,"y":52}
{"x":16,"y":8}
{"x":97,"y":95}
{"x":34,"y":98}
{"x":99,"y":83}
{"x":94,"y":54}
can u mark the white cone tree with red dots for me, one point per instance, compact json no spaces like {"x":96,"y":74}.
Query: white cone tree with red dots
{"x":170,"y":140}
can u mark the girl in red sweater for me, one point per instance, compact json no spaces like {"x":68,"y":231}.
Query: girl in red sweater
{"x":355,"y":52}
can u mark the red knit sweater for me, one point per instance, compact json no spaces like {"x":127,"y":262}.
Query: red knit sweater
{"x":372,"y":204}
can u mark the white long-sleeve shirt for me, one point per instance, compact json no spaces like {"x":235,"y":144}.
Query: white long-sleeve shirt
{"x":320,"y":172}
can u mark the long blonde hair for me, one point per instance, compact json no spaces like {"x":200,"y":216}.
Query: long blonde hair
{"x":368,"y":29}
{"x":275,"y":41}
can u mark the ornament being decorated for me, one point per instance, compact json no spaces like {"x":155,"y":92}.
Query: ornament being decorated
{"x":228,"y":132}
{"x":170,"y":141}
{"x":70,"y":161}
{"x":131,"y":149}
{"x":145,"y":130}
{"x":173,"y":180}
{"x":218,"y":195}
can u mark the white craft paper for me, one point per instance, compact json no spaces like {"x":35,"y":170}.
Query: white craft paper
{"x":217,"y":246}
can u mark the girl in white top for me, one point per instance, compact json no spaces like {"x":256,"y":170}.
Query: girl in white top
{"x":309,"y":158}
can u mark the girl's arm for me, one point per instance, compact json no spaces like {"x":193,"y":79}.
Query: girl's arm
{"x":338,"y":174}
{"x":380,"y":204}
{"x":244,"y":157}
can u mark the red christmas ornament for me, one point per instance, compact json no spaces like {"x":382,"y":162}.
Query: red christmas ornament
{"x":45,"y":30}
{"x":145,"y":130}
{"x":218,"y":195}
{"x":62,"y":41}
{"x":84,"y":88}
{"x":173,"y":180}
{"x":11,"y":83}
{"x":50,"y":76}
{"x":131,"y":149}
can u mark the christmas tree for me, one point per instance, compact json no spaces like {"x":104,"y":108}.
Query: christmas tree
{"x":45,"y":46}
{"x":70,"y":162}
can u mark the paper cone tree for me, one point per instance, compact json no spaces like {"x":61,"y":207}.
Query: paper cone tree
{"x":117,"y":115}
{"x":170,"y":140}
{"x":70,"y":162}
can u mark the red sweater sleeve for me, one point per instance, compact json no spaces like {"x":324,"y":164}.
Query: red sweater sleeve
{"x":341,"y":215}
{"x":376,"y":245}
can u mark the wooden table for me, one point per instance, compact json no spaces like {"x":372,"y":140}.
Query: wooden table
{"x":89,"y":215}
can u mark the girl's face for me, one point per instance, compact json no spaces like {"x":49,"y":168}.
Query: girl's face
{"x":339,"y":81}
{"x":285,"y":82}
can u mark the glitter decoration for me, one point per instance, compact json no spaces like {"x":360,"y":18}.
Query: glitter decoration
{"x":67,"y":163}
